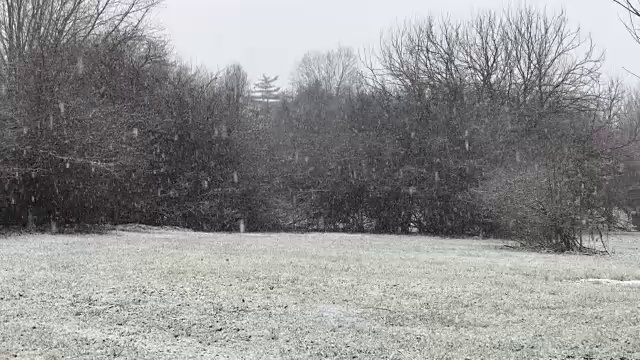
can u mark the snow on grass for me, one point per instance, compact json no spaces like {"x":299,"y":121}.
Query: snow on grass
{"x":614,"y":282}
{"x":184,"y":295}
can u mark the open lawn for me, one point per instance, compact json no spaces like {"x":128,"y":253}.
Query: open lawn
{"x":183,"y":295}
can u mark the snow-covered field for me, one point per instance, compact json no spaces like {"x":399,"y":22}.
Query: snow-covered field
{"x":182,"y":295}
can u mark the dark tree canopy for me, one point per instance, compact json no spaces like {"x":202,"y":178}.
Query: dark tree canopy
{"x":501,"y":125}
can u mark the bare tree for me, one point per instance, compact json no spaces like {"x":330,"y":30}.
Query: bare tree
{"x":336,"y":71}
{"x":633,"y":11}
{"x":235,"y":82}
{"x":630,"y":122}
{"x":520,"y":92}
{"x":29,"y":24}
{"x":40,"y":38}
{"x":56,"y":62}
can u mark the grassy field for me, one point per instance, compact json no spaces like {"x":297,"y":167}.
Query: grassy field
{"x":182,"y":295}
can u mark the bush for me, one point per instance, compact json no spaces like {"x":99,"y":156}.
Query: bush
{"x":549,"y":207}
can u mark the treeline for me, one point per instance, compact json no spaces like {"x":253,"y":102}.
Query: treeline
{"x":102,"y":126}
{"x":502,"y":125}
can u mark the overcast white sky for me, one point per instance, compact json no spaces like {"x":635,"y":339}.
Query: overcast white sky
{"x":270,"y":36}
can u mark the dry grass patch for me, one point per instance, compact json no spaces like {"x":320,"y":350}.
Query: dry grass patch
{"x":181,"y":295}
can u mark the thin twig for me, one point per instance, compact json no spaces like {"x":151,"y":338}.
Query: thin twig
{"x":631,"y":72}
